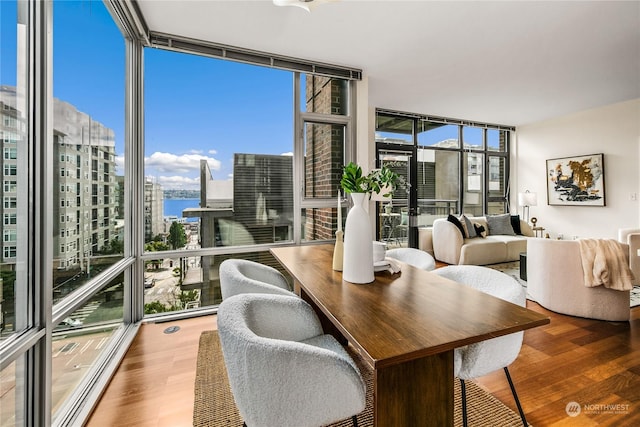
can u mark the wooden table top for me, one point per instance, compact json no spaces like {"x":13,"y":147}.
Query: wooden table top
{"x":403,"y":316}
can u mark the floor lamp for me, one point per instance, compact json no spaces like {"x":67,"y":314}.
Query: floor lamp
{"x":526,"y":200}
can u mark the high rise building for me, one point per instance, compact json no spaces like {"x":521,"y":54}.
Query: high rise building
{"x":153,"y":209}
{"x":84,"y":186}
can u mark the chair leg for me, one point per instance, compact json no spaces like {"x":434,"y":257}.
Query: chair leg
{"x":515,"y":396}
{"x":463,"y":392}
{"x":355,"y":421}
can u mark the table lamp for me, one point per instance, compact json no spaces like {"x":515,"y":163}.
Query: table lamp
{"x":526,"y":200}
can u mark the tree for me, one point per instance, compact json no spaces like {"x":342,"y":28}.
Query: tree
{"x":156,"y":246}
{"x":115,"y":246}
{"x":177,"y":235}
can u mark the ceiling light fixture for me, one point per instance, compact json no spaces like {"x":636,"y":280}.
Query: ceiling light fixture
{"x":304,"y":4}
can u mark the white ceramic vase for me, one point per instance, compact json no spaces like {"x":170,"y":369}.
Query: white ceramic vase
{"x":357,"y":266}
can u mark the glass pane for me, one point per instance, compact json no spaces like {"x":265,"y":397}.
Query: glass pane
{"x":320,"y":224}
{"x":497,"y":176}
{"x":497,"y":140}
{"x":88,"y":144}
{"x":14,"y":315}
{"x":324,"y":95}
{"x":172,"y":284}
{"x":201,"y":281}
{"x":11,"y":391}
{"x":324,"y":158}
{"x":438,"y":135}
{"x":473,"y":199}
{"x":393,"y":214}
{"x":472,"y":137}
{"x":438,"y":184}
{"x":79,"y":339}
{"x":393,"y":129}
{"x":226,"y":179}
{"x":497,"y":184}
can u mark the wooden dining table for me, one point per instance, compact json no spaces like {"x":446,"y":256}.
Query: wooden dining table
{"x":406,"y":326}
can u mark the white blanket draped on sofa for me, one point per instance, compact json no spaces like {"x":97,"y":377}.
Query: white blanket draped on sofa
{"x":604,"y":262}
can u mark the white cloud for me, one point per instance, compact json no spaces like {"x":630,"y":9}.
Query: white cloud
{"x":288,"y":153}
{"x":182,"y":164}
{"x":120,"y":164}
{"x":212,"y":152}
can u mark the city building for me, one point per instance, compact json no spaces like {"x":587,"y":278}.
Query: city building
{"x":153,"y":209}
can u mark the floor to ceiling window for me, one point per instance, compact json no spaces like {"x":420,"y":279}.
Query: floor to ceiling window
{"x":88,"y":212}
{"x":16,"y":316}
{"x":224,"y":172}
{"x":454,"y":166}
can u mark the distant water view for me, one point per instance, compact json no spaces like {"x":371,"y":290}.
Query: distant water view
{"x":174,"y":207}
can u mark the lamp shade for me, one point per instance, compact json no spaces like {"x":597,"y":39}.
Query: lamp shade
{"x":528,"y":199}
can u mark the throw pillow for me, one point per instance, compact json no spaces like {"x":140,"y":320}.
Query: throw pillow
{"x":515,"y":224}
{"x":500,"y":224}
{"x":455,"y":221}
{"x":468,"y":226}
{"x":480,"y":230}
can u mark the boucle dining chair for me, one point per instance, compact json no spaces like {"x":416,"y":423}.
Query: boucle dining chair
{"x":239,"y":276}
{"x":415,"y":257}
{"x":476,"y":360}
{"x":283,"y":370}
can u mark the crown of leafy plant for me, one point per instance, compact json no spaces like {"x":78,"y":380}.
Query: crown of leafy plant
{"x":354,"y":181}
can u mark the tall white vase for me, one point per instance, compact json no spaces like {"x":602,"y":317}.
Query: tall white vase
{"x":357,"y":266}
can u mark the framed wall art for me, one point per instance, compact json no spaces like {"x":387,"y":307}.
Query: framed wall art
{"x":576,"y":181}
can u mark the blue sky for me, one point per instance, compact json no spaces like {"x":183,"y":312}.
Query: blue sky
{"x":195,"y":107}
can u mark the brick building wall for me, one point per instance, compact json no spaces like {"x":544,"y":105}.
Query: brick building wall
{"x":324,"y":153}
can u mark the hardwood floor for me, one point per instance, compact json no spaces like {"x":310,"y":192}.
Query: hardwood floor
{"x":591,"y":362}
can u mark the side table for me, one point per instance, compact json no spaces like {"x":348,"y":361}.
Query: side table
{"x":538,"y":229}
{"x":523,"y":266}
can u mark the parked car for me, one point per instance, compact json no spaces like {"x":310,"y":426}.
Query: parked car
{"x":71,"y":323}
{"x":149,"y":282}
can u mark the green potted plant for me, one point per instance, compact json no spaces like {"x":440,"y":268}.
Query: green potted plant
{"x":357,"y":266}
{"x":378,"y":180}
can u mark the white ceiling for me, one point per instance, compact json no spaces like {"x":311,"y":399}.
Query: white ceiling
{"x":500,"y":62}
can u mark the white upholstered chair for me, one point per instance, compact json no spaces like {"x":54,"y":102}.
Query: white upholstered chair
{"x":476,"y":360}
{"x":238,"y":276}
{"x":415,"y":257}
{"x":555,"y":280}
{"x":283,"y":370}
{"x":631,"y":237}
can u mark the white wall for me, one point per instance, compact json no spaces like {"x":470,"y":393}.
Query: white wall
{"x":613,"y":130}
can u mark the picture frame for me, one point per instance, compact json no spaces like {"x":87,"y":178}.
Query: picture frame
{"x":576,"y":181}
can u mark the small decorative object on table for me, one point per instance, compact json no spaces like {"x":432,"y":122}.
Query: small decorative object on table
{"x":357,"y":265}
{"x":338,"y":250}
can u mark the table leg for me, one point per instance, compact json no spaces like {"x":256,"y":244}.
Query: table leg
{"x":415,"y":393}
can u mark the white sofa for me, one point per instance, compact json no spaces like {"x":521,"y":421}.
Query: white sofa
{"x":631,"y":236}
{"x":555,"y":280}
{"x":449,"y":246}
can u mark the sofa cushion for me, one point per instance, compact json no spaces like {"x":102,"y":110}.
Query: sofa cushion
{"x":515,"y":224}
{"x":500,"y":224}
{"x":514,"y":245}
{"x":455,"y":221}
{"x":468,"y":227}
{"x":483,"y":251}
{"x":481,"y":231}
